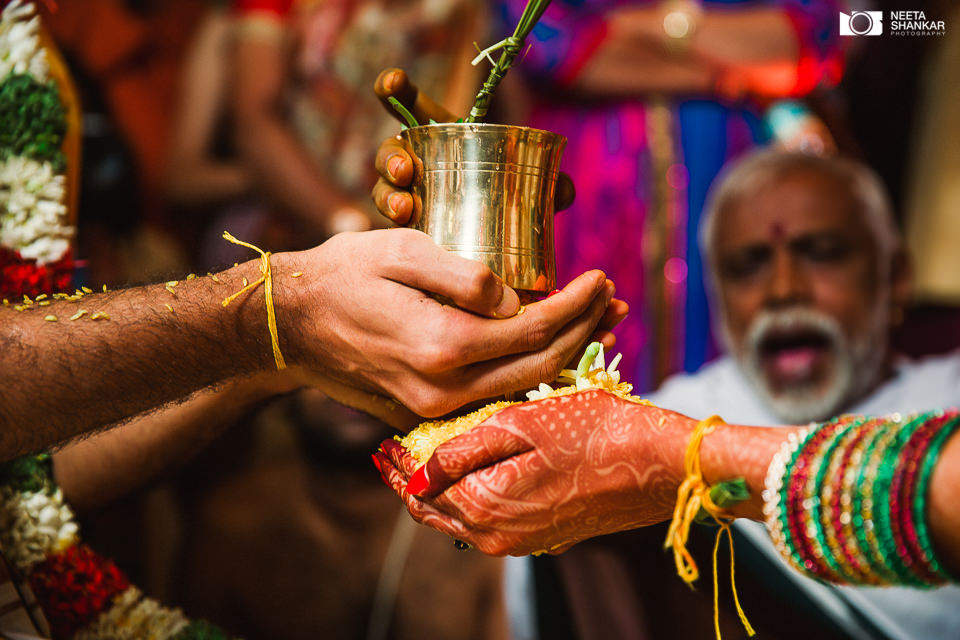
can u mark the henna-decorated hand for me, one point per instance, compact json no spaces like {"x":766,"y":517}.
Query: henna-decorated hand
{"x":545,"y":475}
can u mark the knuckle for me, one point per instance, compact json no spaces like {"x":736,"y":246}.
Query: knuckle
{"x":426,"y":400}
{"x":416,"y":510}
{"x":397,"y":247}
{"x":549,"y":366}
{"x":434,"y":357}
{"x":537,"y":334}
{"x":458,"y":343}
{"x":479,"y":282}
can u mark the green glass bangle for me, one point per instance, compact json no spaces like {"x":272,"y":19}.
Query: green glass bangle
{"x":850,"y":547}
{"x":795,"y":547}
{"x":829,"y":487}
{"x":863,"y":503}
{"x":920,"y":499}
{"x":816,"y":512}
{"x":881,"y":498}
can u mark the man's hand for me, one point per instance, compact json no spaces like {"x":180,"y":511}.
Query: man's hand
{"x":366,"y":313}
{"x":544,"y":475}
{"x":395,"y":161}
{"x":395,"y":164}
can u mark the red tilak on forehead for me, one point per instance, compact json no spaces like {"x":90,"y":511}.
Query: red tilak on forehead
{"x":777,"y":230}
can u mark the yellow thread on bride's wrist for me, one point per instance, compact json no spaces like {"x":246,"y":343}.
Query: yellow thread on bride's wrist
{"x":693,"y":494}
{"x":267,"y":280}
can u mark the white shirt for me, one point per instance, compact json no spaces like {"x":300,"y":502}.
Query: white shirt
{"x":721,"y":388}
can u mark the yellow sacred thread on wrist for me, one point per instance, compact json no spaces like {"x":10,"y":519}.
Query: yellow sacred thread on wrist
{"x":267,"y":280}
{"x":693,"y":494}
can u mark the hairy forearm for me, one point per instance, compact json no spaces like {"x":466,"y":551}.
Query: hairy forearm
{"x":95,"y":470}
{"x":65,"y":377}
{"x":633,"y":59}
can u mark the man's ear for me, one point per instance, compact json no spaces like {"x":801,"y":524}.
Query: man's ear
{"x":901,"y":283}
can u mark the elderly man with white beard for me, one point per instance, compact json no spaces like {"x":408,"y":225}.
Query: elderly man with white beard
{"x":809,"y":275}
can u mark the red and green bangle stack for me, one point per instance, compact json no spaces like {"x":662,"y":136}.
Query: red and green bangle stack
{"x":845,"y":501}
{"x":83,"y":595}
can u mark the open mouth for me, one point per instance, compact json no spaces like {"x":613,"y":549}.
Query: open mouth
{"x":795,"y":356}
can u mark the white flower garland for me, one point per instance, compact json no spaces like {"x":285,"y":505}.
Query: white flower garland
{"x":32,"y":210}
{"x":133,"y":617}
{"x":20,"y":50}
{"x":33,"y":525}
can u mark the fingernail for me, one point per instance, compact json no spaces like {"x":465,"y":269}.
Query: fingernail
{"x":395,"y":201}
{"x":609,"y":290}
{"x":509,"y":303}
{"x":553,"y":293}
{"x":390,"y":446}
{"x":394,"y":164}
{"x":418,"y":481}
{"x":390,"y":81}
{"x":376,"y":462}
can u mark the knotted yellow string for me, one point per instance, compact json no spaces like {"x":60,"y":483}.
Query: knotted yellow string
{"x":267,"y":280}
{"x":693,"y":494}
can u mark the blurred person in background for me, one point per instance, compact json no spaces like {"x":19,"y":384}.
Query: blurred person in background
{"x":204,"y":179}
{"x":306,"y":123}
{"x":810,"y":277}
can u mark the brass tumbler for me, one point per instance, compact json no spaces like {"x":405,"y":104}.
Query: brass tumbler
{"x":485,"y":192}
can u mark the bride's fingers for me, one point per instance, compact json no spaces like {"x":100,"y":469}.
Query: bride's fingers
{"x":420,"y":511}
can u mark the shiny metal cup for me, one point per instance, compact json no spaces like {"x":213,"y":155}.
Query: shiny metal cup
{"x":485,"y":192}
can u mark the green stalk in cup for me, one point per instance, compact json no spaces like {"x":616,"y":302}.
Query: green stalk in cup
{"x":510,"y":49}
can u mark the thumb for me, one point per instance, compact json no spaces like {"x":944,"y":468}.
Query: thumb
{"x":471,"y":285}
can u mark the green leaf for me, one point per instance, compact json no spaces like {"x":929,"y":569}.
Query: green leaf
{"x":32,"y":120}
{"x":589,"y":355}
{"x":403,"y":111}
{"x":725,"y":495}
